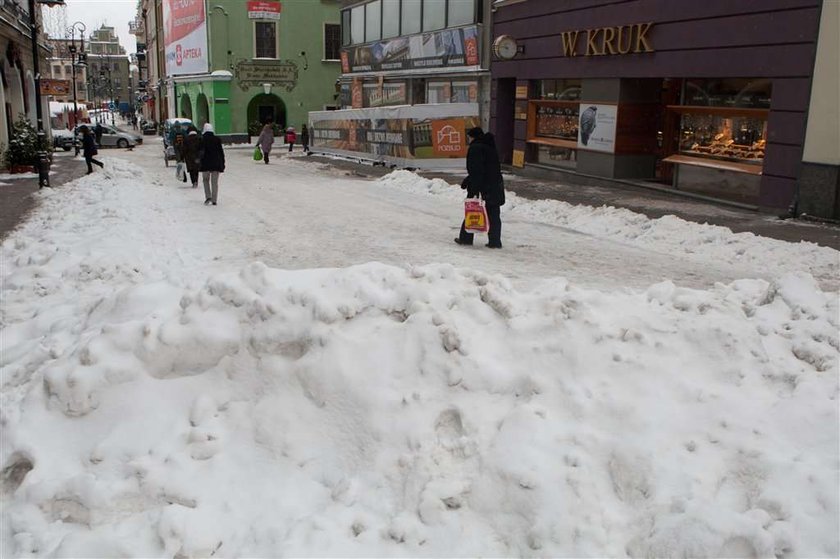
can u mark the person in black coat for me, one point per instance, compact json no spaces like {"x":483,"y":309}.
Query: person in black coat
{"x":97,"y":132}
{"x":89,"y":148}
{"x":212,"y":163}
{"x":191,"y":154}
{"x":484,"y":179}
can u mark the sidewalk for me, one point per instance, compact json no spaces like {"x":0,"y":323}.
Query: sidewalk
{"x":17,"y":194}
{"x":652,"y":203}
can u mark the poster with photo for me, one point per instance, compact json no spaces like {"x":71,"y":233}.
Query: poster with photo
{"x":596,"y":127}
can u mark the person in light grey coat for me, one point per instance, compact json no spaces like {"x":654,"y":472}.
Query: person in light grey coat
{"x":266,"y":140}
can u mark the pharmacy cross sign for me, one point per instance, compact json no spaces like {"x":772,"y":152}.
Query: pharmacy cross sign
{"x":255,"y":73}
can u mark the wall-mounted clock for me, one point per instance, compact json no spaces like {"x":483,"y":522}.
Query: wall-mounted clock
{"x":505,"y":47}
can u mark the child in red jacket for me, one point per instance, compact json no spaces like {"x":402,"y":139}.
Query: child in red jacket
{"x":291,"y":137}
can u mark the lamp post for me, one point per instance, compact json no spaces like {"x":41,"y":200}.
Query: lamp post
{"x":43,"y":163}
{"x":81,"y":61}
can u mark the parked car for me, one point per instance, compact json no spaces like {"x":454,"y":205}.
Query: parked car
{"x":112,"y":137}
{"x":63,"y":139}
{"x":148,"y":127}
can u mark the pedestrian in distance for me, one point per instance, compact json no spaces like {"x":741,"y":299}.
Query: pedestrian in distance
{"x":304,"y":139}
{"x":89,"y":148}
{"x":191,"y":154}
{"x":97,"y":132}
{"x":212,"y":164}
{"x":484,"y":179}
{"x":266,"y":140}
{"x":291,"y":137}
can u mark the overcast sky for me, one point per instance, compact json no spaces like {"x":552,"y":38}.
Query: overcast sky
{"x":94,"y":13}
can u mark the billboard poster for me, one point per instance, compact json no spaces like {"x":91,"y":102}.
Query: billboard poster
{"x":397,"y":134}
{"x":596,"y":127}
{"x":437,"y":49}
{"x":185,"y":28}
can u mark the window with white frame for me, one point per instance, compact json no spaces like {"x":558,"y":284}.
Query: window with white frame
{"x":265,"y":39}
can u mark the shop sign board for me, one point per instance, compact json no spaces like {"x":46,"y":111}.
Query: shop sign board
{"x":438,"y":49}
{"x":621,"y":39}
{"x":521,"y":91}
{"x":55,"y":87}
{"x":597,"y":126}
{"x":518,"y":158}
{"x":407,"y":133}
{"x":254,"y":73}
{"x":264,"y":10}
{"x":185,"y":25}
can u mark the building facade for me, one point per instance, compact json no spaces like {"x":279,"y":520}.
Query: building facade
{"x":710,"y":98}
{"x":240,"y":64}
{"x":415,"y":77}
{"x":60,"y":66}
{"x":17,"y":78}
{"x":108,"y":70}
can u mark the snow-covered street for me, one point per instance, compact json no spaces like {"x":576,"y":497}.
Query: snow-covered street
{"x":314,"y":368}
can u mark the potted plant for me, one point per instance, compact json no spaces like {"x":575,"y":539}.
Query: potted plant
{"x":22,"y":154}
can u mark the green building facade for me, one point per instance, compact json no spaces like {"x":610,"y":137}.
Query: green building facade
{"x":268,"y":60}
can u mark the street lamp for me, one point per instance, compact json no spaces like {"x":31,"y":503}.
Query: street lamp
{"x":43,"y":163}
{"x":81,"y":62}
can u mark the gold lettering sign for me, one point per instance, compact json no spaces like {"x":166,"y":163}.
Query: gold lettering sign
{"x":276,"y":72}
{"x":600,"y":41}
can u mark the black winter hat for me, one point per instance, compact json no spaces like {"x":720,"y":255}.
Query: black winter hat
{"x":476,"y":132}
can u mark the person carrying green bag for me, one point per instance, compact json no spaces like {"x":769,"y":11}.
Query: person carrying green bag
{"x":257,"y":154}
{"x":264,"y":142}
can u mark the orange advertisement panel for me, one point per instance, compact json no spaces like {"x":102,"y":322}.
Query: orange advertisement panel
{"x":358,"y":94}
{"x":449,"y":139}
{"x":55,"y":87}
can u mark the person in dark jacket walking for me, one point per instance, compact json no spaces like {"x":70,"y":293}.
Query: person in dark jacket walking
{"x":484,"y":178}
{"x":97,"y":131}
{"x":191,"y":155}
{"x":89,"y":148}
{"x":212,"y":163}
{"x":304,"y":139}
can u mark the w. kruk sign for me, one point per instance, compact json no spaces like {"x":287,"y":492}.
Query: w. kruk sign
{"x":185,"y":25}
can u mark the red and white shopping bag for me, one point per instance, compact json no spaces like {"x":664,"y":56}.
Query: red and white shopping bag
{"x":475,"y":216}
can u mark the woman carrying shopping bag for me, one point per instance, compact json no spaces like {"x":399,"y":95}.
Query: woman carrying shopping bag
{"x":266,"y":140}
{"x":484,"y":178}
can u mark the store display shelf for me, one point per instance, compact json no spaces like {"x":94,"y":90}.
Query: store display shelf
{"x":749,"y":168}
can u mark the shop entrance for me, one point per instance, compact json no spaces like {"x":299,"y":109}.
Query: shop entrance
{"x":265,"y":108}
{"x":505,"y":101}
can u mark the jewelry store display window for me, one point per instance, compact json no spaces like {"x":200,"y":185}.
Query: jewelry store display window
{"x":553,"y":122}
{"x":723,"y":122}
{"x":722,"y":136}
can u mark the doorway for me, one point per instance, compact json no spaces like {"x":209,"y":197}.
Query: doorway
{"x":505,"y":100}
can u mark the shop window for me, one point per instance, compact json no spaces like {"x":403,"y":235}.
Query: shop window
{"x":563,"y":90}
{"x":464,"y":92}
{"x":265,"y":39}
{"x":438,"y":92}
{"x":390,"y":18}
{"x":434,"y":15}
{"x":332,"y":39}
{"x":385,"y":94}
{"x":452,"y":92}
{"x":553,"y":127}
{"x":722,"y":125}
{"x":373,"y":21}
{"x":461,"y":12}
{"x":411,"y":11}
{"x":357,"y":25}
{"x":729,"y":92}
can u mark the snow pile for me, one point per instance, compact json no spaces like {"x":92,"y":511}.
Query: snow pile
{"x":668,"y":234}
{"x":419,"y":411}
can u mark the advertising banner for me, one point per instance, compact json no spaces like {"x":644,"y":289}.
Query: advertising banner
{"x":264,"y":10}
{"x":401,"y":135}
{"x":437,"y":49}
{"x":185,"y":25}
{"x":596,"y":128}
{"x":55,"y":87}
